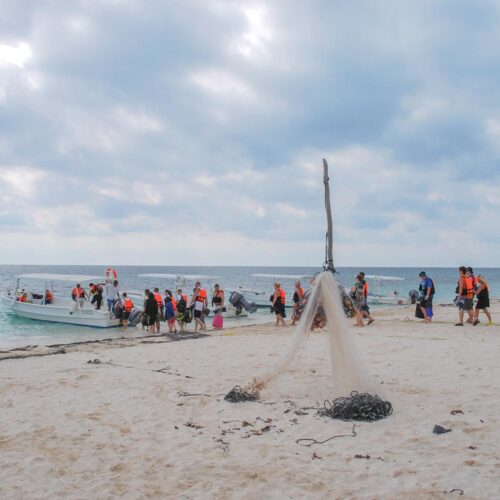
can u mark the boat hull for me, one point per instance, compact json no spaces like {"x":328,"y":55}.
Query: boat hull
{"x":61,"y":312}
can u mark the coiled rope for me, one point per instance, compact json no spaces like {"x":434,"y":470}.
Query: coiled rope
{"x":363,"y":407}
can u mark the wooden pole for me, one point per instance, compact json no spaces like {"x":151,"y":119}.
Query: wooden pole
{"x":329,"y":245}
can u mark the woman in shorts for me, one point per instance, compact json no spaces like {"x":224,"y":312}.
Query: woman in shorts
{"x":151,"y":310}
{"x":199,"y":305}
{"x":483,"y":300}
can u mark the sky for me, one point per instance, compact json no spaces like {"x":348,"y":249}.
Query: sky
{"x":192,"y":132}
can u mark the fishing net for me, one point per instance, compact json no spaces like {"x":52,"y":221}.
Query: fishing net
{"x":324,"y":308}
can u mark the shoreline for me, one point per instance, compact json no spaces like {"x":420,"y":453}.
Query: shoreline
{"x":385,"y":313}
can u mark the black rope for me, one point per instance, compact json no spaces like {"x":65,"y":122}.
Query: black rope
{"x":363,"y":407}
{"x":312,"y":441}
{"x":238,"y":395}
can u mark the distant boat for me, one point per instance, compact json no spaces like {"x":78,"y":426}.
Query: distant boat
{"x":61,"y":309}
{"x":377,"y":296}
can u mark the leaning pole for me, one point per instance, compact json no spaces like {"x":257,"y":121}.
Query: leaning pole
{"x":329,"y":234}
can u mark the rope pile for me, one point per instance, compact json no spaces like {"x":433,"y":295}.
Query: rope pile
{"x":363,"y":407}
{"x":237,"y":395}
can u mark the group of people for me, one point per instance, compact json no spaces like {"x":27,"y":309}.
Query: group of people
{"x":178,"y":309}
{"x":468,"y":287}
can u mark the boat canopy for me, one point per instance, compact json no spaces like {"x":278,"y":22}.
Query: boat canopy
{"x":179,"y":276}
{"x":283,"y":276}
{"x":384,"y":278}
{"x":77,"y":278}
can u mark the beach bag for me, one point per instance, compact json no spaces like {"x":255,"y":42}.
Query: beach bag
{"x":218,"y":321}
{"x":418,"y":312}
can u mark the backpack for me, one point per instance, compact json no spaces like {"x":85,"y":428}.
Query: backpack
{"x":188,"y":316}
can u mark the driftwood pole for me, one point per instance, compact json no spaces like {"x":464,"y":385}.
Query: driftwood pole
{"x":329,"y":235}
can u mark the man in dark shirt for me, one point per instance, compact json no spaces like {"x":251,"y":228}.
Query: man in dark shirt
{"x":426,"y":295}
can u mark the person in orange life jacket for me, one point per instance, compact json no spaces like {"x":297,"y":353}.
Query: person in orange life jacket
{"x":475,"y":281}
{"x":426,"y":289}
{"x":161,"y":308}
{"x":279,"y":299}
{"x":49,"y":298}
{"x":182,"y":304}
{"x":168,"y":293}
{"x":365,"y":310}
{"x":170,"y":314}
{"x":199,"y":302}
{"x":128,"y":305}
{"x":297,"y":296}
{"x":465,"y":294}
{"x":483,"y":300}
{"x":78,"y":294}
{"x":23,"y":297}
{"x":218,"y":298}
{"x":96,"y":295}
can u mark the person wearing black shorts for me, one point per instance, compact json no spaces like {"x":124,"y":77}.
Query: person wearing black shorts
{"x":483,"y":300}
{"x":151,"y":310}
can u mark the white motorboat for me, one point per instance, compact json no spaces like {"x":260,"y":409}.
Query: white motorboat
{"x":61,"y":309}
{"x":262,"y":288}
{"x":186,"y":283}
{"x":394,"y":297}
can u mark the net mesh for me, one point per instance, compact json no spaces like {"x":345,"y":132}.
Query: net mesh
{"x":324,"y":310}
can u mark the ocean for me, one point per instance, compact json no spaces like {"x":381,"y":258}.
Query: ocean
{"x":15,"y":331}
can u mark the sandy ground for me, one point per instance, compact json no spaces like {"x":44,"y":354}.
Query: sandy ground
{"x":150,"y":421}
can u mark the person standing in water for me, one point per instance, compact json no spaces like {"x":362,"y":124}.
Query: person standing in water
{"x":279,"y":299}
{"x":128,"y":305}
{"x":182,"y":305}
{"x":112,"y":294}
{"x":465,"y":294}
{"x":483,"y":300}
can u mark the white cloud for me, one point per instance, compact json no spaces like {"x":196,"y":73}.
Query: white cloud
{"x":17,"y":56}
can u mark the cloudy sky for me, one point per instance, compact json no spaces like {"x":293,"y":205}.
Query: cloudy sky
{"x":192,"y":132}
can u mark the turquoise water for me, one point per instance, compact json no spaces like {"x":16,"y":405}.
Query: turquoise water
{"x":15,"y":331}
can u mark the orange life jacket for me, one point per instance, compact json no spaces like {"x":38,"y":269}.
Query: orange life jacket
{"x":468,"y":287}
{"x":49,"y":297}
{"x":202,"y":295}
{"x":22,"y":298}
{"x":78,"y":293}
{"x":158,"y":299}
{"x":283,"y":296}
{"x":174,"y":303}
{"x":128,"y":305}
{"x":365,"y":289}
{"x":185,"y":297}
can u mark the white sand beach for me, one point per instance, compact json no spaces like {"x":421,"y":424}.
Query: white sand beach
{"x":150,"y":421}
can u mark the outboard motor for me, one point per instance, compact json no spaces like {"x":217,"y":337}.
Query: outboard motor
{"x":135,"y":317}
{"x":413,"y":294}
{"x":239,"y":302}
